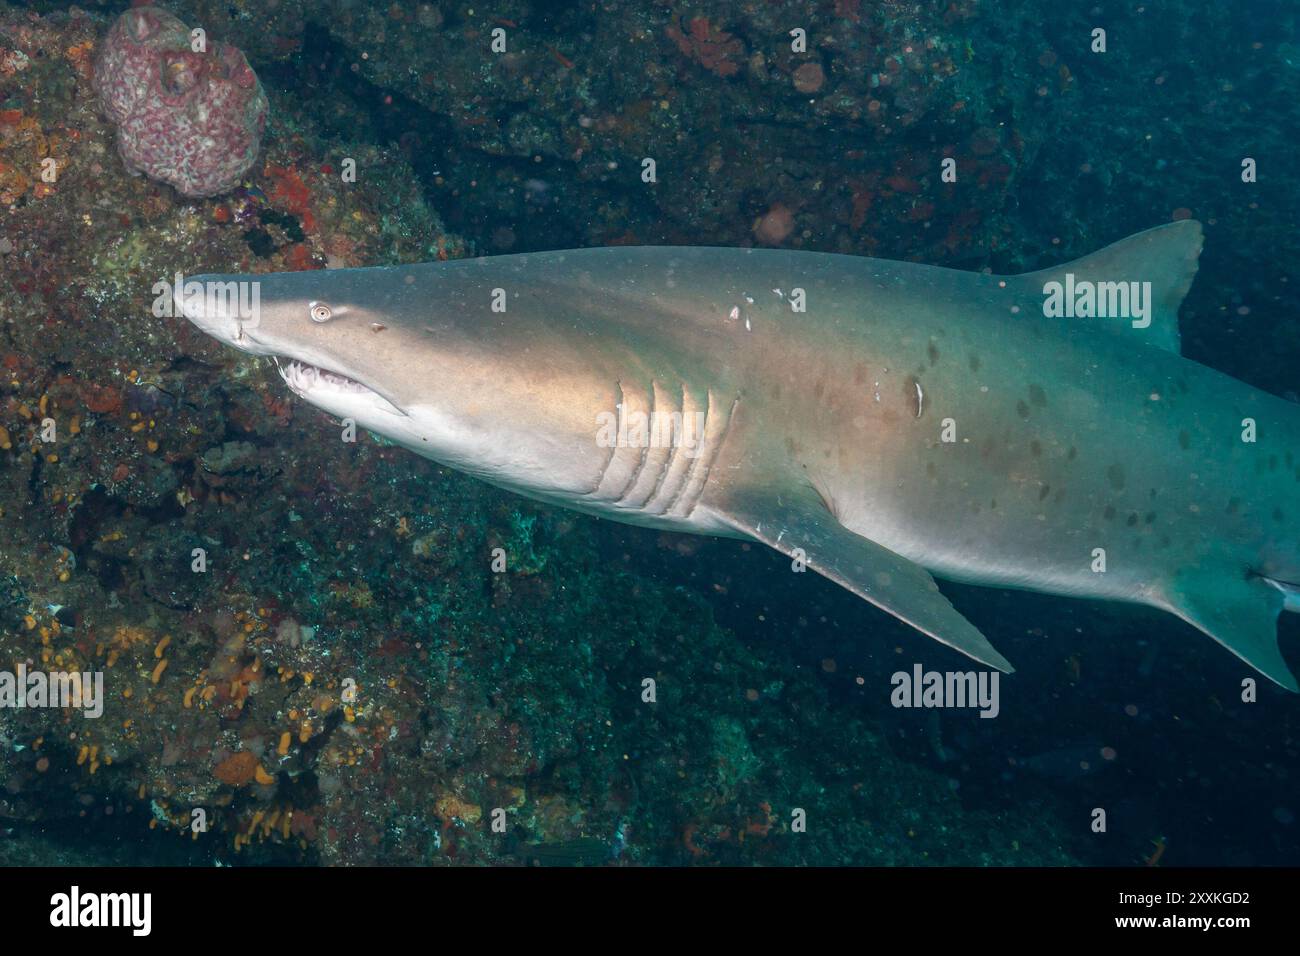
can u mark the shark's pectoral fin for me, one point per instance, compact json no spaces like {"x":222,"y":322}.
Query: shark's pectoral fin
{"x":1240,"y":612}
{"x":801,"y":526}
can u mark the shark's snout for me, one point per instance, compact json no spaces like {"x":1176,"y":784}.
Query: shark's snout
{"x":226,"y":308}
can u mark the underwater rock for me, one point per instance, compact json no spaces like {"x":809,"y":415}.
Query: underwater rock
{"x":186,"y":115}
{"x":166,"y":569}
{"x":13,"y":602}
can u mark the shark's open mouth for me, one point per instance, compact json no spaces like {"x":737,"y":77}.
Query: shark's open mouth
{"x":331,"y":390}
{"x":303,"y":377}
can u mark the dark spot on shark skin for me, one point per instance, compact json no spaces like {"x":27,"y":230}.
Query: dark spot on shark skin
{"x":1132,"y":519}
{"x":1109,"y":513}
{"x":1060,"y":496}
{"x":1183,"y":386}
{"x":1297,"y":474}
{"x":987,"y":448}
{"x":974,"y":363}
{"x":1277,"y":514}
{"x":1072,"y":454}
{"x":1035,"y":449}
{"x":1184,"y":440}
{"x":859,"y":374}
{"x":1150,"y":517}
{"x":776,"y":390}
{"x":1164,"y":541}
{"x":1044,"y":491}
{"x":1038,"y":396}
{"x":818,"y":389}
{"x":1290,"y":460}
{"x":1233,"y":505}
{"x":993,"y":505}
{"x":932,"y":351}
{"x":1272,"y":462}
{"x":1115,"y":475}
{"x":1022,"y":409}
{"x":930,"y":469}
{"x":792,"y":447}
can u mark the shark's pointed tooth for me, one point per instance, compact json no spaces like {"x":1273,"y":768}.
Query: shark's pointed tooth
{"x":1238,"y":611}
{"x":802,"y":523}
{"x":1166,"y":256}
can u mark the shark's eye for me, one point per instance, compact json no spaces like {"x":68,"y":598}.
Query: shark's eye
{"x":320,"y":312}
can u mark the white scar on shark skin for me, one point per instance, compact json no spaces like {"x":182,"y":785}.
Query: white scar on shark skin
{"x":883,"y":421}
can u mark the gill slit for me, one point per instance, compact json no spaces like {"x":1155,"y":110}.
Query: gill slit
{"x":619,"y":399}
{"x":692,"y":491}
{"x":645,"y":452}
{"x":675,"y":449}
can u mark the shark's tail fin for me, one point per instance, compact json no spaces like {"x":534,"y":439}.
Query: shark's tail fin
{"x":1239,"y":610}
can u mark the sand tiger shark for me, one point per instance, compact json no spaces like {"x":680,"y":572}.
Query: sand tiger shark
{"x":883,"y":422}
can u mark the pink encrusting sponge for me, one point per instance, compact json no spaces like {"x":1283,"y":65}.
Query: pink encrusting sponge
{"x":192,"y":119}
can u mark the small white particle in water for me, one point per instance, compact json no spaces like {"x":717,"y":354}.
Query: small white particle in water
{"x":747,"y":328}
{"x":735,"y":313}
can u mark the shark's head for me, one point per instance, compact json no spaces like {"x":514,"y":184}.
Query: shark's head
{"x":338,"y":338}
{"x":329,"y":344}
{"x":398,"y":351}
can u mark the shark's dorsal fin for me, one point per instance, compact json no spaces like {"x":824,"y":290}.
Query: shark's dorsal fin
{"x":891,"y":582}
{"x":1165,"y":256}
{"x":1240,"y":611}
